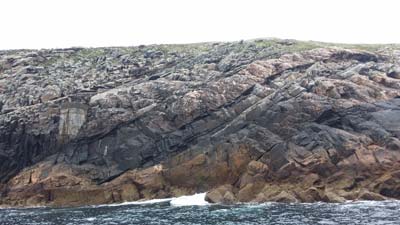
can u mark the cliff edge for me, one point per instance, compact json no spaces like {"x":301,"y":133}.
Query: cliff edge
{"x":249,"y":121}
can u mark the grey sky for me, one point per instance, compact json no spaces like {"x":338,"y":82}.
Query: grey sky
{"x":92,"y":23}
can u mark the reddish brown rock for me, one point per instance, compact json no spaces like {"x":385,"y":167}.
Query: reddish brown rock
{"x":76,"y":197}
{"x":285,"y":197}
{"x":249,"y":192}
{"x":312,"y":194}
{"x":367,"y":195}
{"x":223,"y":194}
{"x":203,"y":172}
{"x":333,"y":197}
{"x":129,"y":192}
{"x":256,"y":167}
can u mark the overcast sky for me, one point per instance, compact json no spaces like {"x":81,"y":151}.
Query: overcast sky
{"x":93,"y":23}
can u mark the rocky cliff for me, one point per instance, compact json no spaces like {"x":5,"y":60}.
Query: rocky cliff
{"x":261,"y":120}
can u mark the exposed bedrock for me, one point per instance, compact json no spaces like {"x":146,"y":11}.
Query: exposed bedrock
{"x":253,"y":121}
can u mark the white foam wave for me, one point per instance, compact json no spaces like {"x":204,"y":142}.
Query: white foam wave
{"x":188,"y":200}
{"x":196,"y":199}
{"x":91,"y":219}
{"x":152,"y":201}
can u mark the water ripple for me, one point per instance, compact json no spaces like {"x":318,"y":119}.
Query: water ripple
{"x":366,"y":212}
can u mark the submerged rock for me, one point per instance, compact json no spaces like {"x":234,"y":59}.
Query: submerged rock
{"x":251,"y":121}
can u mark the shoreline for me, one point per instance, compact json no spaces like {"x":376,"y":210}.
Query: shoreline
{"x":250,"y":204}
{"x":251,"y":121}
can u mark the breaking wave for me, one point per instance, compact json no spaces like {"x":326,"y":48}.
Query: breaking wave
{"x":187,"y":200}
{"x":196,"y":199}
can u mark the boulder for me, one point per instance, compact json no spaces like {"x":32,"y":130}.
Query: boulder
{"x":249,"y":192}
{"x":256,"y":167}
{"x":331,"y":196}
{"x":311,"y":195}
{"x":371,"y":196}
{"x":223,"y":194}
{"x":285,"y":197}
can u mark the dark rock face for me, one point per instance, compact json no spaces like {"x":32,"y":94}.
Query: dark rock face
{"x":257,"y":121}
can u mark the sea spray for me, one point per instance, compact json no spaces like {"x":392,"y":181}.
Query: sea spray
{"x":196,"y":199}
{"x":186,"y":200}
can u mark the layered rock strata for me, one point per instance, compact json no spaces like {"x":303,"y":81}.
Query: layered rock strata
{"x":252,"y":121}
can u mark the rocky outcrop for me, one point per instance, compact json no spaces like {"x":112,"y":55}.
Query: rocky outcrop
{"x":253,"y":121}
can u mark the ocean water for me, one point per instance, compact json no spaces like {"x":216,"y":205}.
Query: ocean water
{"x":194,"y":210}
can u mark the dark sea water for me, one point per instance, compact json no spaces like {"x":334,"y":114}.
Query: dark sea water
{"x":165,"y":212}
